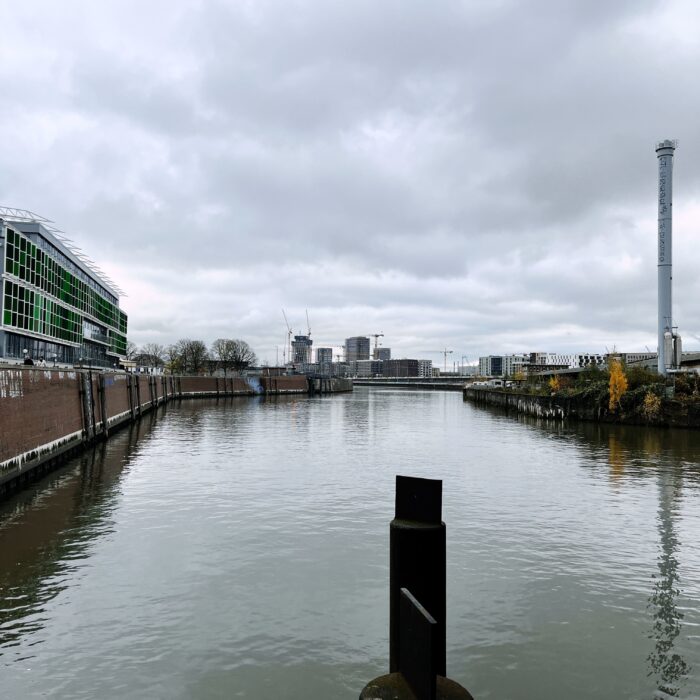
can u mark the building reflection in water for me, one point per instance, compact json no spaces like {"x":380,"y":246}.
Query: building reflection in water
{"x":665,"y":663}
{"x":46,"y":530}
{"x":670,"y":456}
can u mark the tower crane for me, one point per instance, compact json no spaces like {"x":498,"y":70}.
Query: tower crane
{"x":288,"y":346}
{"x":308,"y":325}
{"x":376,"y":337}
{"x":445,"y":352}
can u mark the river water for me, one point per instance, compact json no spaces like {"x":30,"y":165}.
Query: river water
{"x":239,"y":549}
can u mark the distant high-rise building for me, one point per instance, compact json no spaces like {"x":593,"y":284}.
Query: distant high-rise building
{"x":383,"y":354}
{"x":324,"y":360}
{"x":356,"y":348}
{"x":324,"y":355}
{"x":301,"y":349}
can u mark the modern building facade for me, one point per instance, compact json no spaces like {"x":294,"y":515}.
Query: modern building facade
{"x":509,"y":365}
{"x":366,"y":368}
{"x":356,"y":348}
{"x":514,"y":364}
{"x":425,"y":368}
{"x":324,"y":355}
{"x":491,"y":366}
{"x":383,"y":354}
{"x":301,"y":349}
{"x":400,"y":368}
{"x":324,"y":360}
{"x":54,"y":304}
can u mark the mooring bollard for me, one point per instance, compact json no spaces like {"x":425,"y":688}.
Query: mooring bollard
{"x":418,"y":610}
{"x":418,"y":560}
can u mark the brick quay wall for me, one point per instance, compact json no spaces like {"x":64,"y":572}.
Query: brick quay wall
{"x":46,"y":415}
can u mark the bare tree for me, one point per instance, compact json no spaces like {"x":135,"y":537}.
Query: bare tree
{"x":154,"y":354}
{"x":130,"y":351}
{"x":173,"y":359}
{"x":223,"y":350}
{"x":193,"y":355}
{"x":242,"y":355}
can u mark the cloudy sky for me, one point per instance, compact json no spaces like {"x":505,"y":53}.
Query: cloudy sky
{"x":476,"y":175}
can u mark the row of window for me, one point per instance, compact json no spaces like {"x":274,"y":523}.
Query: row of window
{"x":53,"y":252}
{"x":27,"y":310}
{"x":117,"y":343}
{"x":27,"y":262}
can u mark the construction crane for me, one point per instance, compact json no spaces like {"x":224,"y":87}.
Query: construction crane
{"x":445,"y":352}
{"x":288,"y":346}
{"x":376,"y":336}
{"x":308,"y":325}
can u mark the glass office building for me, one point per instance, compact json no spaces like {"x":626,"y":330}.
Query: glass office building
{"x":54,"y":304}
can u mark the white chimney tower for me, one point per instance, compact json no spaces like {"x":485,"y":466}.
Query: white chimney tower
{"x":664,"y":152}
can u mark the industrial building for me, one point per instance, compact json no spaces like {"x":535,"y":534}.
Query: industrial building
{"x":56,"y":304}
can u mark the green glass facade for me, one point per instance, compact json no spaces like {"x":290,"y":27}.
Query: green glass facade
{"x":57,"y":301}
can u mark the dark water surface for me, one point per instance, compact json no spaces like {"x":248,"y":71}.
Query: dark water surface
{"x":240,"y":549}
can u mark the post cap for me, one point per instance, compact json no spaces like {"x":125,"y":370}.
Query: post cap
{"x":418,"y":499}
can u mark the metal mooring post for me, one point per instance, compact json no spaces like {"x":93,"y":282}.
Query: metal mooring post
{"x":417,"y":614}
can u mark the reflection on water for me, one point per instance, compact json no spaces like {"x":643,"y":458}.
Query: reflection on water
{"x":47,"y":530}
{"x":238,"y":548}
{"x":672,"y":457}
{"x":665,"y":663}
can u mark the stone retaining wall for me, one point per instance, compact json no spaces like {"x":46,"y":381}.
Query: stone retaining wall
{"x":678,"y":412}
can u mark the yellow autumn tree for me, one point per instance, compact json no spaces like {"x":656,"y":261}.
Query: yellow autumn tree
{"x":618,"y":384}
{"x":554,"y":383}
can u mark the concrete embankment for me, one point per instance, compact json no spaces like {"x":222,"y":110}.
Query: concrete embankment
{"x":48,"y":414}
{"x":679,"y":413}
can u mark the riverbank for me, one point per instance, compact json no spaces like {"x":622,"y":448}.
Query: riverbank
{"x":48,"y":415}
{"x":441,"y":383}
{"x":679,"y":412}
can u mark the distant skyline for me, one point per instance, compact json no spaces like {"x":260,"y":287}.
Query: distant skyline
{"x":477,"y":175}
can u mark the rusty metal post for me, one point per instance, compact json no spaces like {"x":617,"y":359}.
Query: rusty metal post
{"x":417,"y":619}
{"x":418,"y":561}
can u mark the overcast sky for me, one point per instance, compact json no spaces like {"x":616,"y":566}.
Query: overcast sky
{"x":473,"y":175}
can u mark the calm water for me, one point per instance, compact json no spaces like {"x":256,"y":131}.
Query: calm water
{"x":240,"y":549}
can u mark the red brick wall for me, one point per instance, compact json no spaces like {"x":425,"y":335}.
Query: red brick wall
{"x":198,"y":384}
{"x":296,"y":384}
{"x":97,"y":404}
{"x":144,"y":389}
{"x":116,"y":394}
{"x":37,"y":407}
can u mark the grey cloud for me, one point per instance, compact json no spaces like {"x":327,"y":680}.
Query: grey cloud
{"x":468,"y":174}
